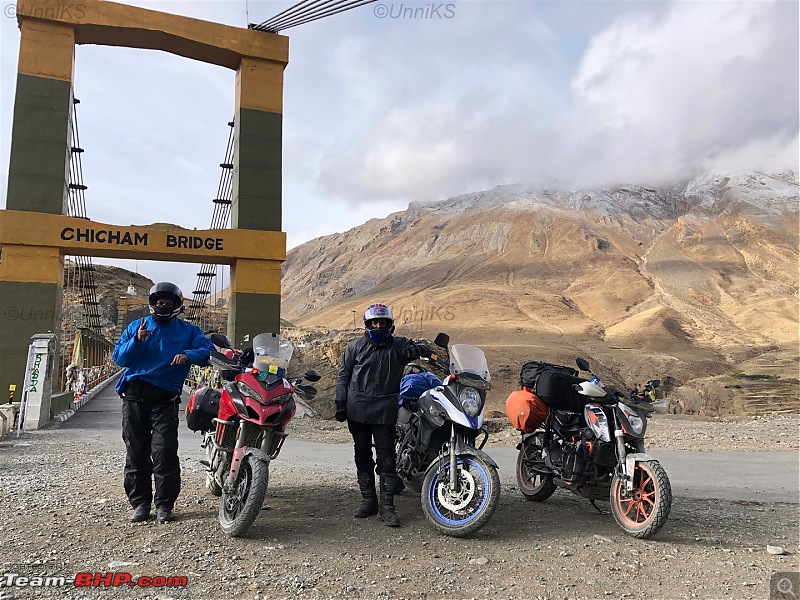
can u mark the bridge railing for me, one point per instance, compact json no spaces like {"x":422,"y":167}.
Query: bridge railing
{"x":200,"y":376}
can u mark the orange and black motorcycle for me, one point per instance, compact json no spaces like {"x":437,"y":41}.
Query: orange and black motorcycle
{"x":600,"y":455}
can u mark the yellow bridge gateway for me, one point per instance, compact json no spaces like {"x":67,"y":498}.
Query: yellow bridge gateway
{"x":36,"y":231}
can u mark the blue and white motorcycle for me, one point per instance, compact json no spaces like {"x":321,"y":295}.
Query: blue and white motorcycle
{"x":437,"y":453}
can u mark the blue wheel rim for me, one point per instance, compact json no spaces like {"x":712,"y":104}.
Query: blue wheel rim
{"x":483,"y":482}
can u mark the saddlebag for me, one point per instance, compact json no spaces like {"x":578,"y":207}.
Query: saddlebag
{"x":531,"y":370}
{"x":203,"y":406}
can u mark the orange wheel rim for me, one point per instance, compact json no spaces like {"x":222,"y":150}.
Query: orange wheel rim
{"x":640,"y":505}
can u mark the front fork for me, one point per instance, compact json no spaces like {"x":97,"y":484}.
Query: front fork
{"x":627,"y":462}
{"x":454,"y":478}
{"x":241,"y":450}
{"x":627,"y":469}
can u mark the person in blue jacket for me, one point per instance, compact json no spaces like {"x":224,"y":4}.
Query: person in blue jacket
{"x":157,"y":352}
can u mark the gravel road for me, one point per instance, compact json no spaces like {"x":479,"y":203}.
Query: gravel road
{"x":66,"y":513}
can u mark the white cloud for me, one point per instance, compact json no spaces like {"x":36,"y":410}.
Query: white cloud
{"x":659,"y":94}
{"x":668,"y":97}
{"x":378,"y":112}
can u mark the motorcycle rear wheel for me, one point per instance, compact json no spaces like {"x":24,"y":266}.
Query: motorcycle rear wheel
{"x":534,"y":486}
{"x":237,"y":512}
{"x":645,"y":510}
{"x":469,"y":509}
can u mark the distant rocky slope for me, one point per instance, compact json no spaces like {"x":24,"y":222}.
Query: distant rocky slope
{"x":696,"y":282}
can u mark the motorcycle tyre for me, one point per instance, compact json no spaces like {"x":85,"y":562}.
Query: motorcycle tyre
{"x":258,"y":473}
{"x":491,"y":481}
{"x":537,"y":493}
{"x":660,"y":510}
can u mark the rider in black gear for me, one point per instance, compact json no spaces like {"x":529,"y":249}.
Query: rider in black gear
{"x":367,"y":391}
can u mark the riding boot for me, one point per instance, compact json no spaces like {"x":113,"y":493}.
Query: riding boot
{"x":369,"y":500}
{"x":387,"y":513}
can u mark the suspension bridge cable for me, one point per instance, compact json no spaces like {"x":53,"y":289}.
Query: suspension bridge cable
{"x":76,"y":207}
{"x":311,"y":12}
{"x":290,"y":13}
{"x":326,"y":14}
{"x":324,"y":11}
{"x":219,"y":220}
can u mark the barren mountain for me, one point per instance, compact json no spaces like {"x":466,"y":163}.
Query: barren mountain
{"x":694,"y":283}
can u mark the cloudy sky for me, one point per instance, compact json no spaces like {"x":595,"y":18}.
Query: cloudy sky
{"x":380,"y":109}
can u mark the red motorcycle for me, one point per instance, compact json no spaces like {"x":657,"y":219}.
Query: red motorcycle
{"x":244,"y":423}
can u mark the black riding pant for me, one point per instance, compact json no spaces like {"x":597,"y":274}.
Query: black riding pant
{"x":150,"y":431}
{"x":363,"y":436}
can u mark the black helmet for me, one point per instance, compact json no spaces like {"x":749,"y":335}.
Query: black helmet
{"x":161,"y":291}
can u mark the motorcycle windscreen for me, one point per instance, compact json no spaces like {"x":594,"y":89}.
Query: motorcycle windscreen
{"x":470,"y":362}
{"x":271,"y":349}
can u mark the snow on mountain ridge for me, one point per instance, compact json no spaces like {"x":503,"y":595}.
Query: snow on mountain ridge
{"x":712,"y":192}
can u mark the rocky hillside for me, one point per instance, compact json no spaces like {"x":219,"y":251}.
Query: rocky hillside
{"x":112,"y":284}
{"x":696,"y":282}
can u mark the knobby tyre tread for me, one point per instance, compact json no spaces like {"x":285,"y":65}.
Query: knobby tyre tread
{"x":662,"y":505}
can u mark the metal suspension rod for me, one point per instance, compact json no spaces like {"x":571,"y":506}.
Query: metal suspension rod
{"x":293,"y":10}
{"x":327,"y":9}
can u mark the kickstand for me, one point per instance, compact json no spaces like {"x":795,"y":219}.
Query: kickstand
{"x":600,"y":510}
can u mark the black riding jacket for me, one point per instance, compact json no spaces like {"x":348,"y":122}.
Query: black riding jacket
{"x":369,"y":378}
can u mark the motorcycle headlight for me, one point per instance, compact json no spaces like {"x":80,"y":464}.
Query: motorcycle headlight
{"x":634,"y":420}
{"x":282,"y":399}
{"x":470,"y":401}
{"x":636,"y":424}
{"x":246,"y":390}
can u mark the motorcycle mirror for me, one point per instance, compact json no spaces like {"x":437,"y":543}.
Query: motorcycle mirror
{"x":220,"y":340}
{"x":582,"y":364}
{"x":307,"y":392}
{"x":442,"y":339}
{"x":312,"y":375}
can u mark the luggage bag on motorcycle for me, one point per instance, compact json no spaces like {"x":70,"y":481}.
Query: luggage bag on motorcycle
{"x":531,"y":370}
{"x":203,"y":406}
{"x":525,"y":411}
{"x":553,"y":384}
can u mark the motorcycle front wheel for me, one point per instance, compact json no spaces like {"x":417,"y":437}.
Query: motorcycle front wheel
{"x":533,"y":485}
{"x":645,"y":510}
{"x":237,"y":511}
{"x":462,"y":511}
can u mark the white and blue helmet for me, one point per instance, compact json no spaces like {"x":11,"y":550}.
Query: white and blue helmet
{"x":379,"y":311}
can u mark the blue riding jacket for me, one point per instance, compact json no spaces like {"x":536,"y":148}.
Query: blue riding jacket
{"x":150,"y":360}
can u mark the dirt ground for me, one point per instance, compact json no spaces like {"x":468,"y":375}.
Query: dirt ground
{"x":65,"y":512}
{"x":779,"y":433}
